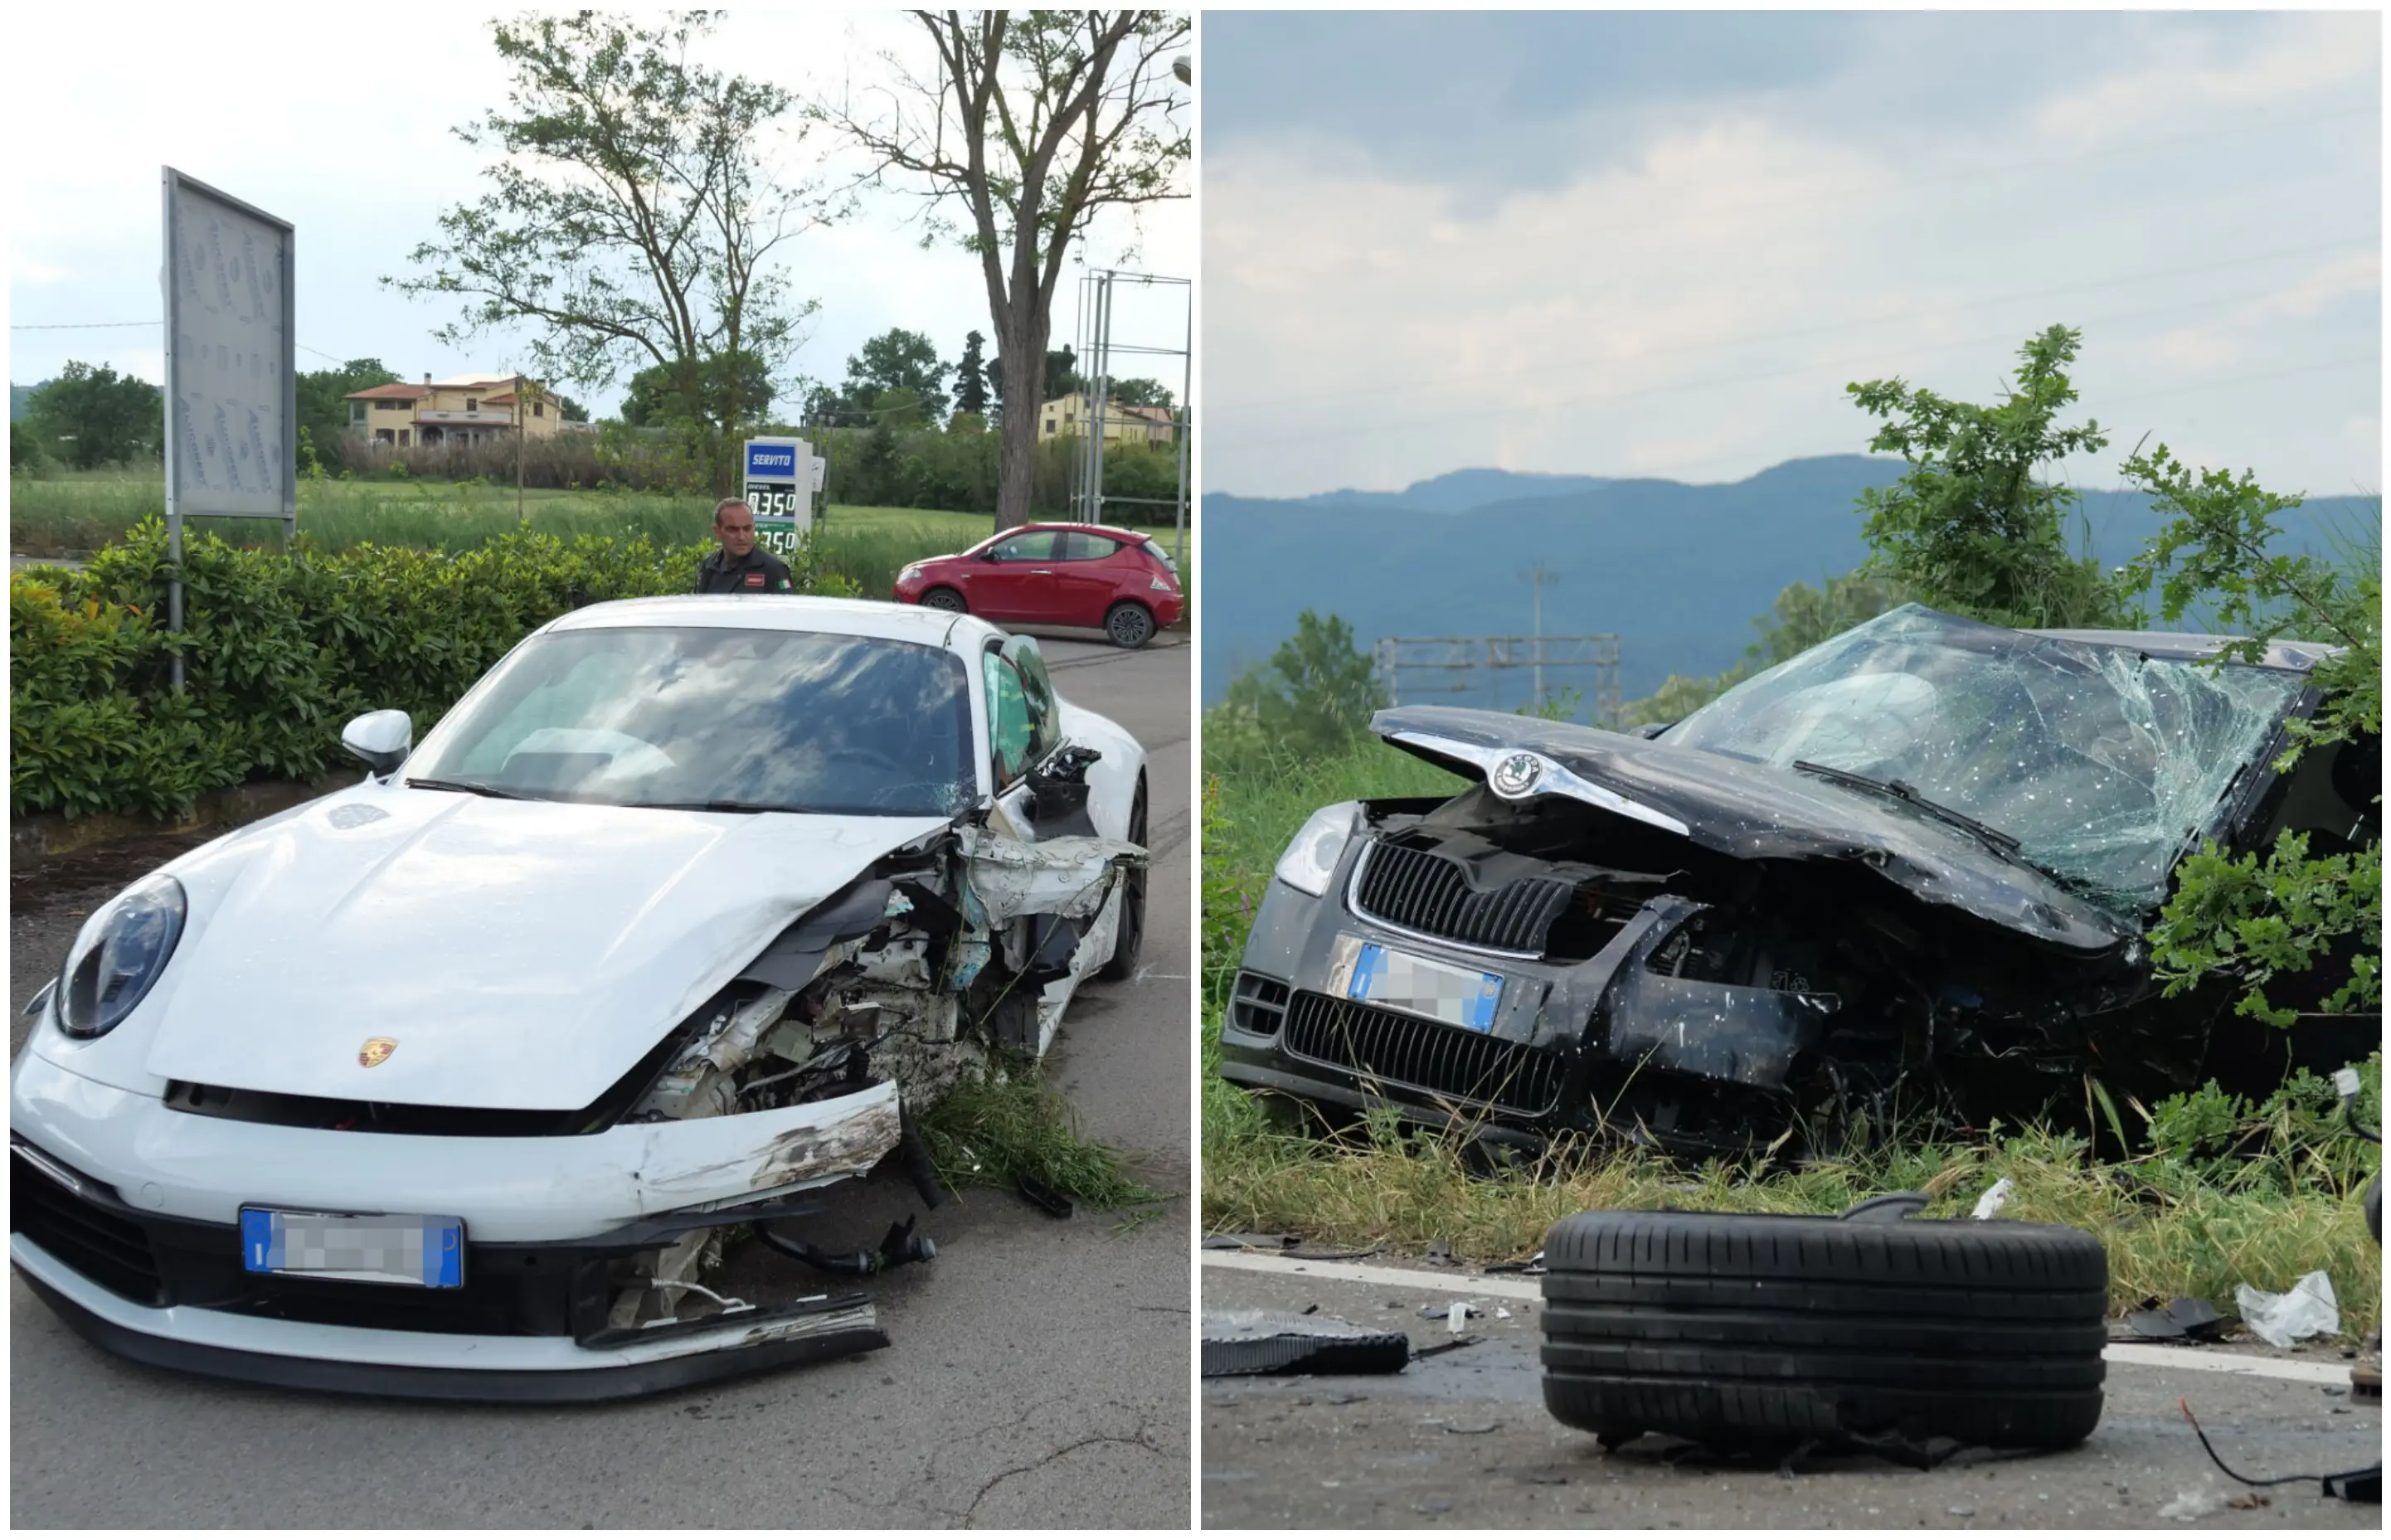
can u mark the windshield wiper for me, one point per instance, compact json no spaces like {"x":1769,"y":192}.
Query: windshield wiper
{"x":474,"y":786}
{"x":1904,"y":792}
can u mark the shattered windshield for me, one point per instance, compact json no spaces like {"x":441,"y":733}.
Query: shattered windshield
{"x":2100,"y":762}
{"x":797,"y":721}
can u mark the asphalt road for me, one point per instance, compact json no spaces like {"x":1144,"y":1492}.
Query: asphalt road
{"x":1039,"y":1376}
{"x":1462,"y":1440}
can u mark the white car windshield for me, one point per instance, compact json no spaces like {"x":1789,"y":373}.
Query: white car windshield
{"x":2100,"y":762}
{"x":698,"y":717}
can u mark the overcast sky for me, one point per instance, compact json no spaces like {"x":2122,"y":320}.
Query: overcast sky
{"x":338,"y":120}
{"x":1661,"y":245}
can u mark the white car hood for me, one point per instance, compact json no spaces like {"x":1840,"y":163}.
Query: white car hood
{"x":521,"y":954}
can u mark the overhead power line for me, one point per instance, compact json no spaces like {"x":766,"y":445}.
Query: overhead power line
{"x":110,"y":326}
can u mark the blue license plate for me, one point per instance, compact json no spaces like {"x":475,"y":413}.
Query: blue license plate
{"x":420,"y":1250}
{"x":1459,"y":997}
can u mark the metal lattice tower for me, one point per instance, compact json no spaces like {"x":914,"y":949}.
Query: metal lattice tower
{"x":1410,"y":667}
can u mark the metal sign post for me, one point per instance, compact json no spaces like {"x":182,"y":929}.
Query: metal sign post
{"x":232,"y":379}
{"x":781,"y":479}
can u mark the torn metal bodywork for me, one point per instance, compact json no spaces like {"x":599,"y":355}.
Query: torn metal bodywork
{"x":889,"y":989}
{"x":1907,"y":872}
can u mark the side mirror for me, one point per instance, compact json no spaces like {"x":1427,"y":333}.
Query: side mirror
{"x":989,"y":555}
{"x":380,"y":738}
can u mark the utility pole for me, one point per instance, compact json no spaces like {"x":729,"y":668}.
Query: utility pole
{"x":521,"y":421}
{"x":1539,"y":577}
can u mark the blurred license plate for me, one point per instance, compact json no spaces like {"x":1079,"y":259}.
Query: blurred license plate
{"x":1384,"y":976}
{"x":424,"y":1250}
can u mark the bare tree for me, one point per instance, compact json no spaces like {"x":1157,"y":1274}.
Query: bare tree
{"x":629,"y":215}
{"x":1032,"y":122}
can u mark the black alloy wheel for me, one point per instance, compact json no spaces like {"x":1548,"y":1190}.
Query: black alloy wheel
{"x":1130,"y":624}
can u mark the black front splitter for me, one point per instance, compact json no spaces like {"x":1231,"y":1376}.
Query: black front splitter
{"x":521,"y":1387}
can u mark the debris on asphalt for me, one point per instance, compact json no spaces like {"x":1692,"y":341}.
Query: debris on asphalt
{"x":1449,"y":1312}
{"x":1044,"y":1196}
{"x":2184,"y":1317}
{"x":1471,"y":1427}
{"x":1447,"y":1346}
{"x":2307,"y":1309}
{"x":1251,"y":1243}
{"x":1994,"y":1196}
{"x":2194,"y":1503}
{"x":1270,"y":1341}
{"x":1533,"y":1266}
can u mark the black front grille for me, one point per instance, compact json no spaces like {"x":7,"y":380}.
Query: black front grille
{"x":1422,"y":891}
{"x":1408,"y":1053}
{"x":110,"y":1250}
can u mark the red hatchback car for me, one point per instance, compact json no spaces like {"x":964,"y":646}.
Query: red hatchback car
{"x":1055,"y":575}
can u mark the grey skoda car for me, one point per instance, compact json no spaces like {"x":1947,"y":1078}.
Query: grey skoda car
{"x":1910,"y":871}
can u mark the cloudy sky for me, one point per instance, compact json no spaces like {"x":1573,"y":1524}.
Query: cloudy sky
{"x":1661,"y":245}
{"x":340,"y":123}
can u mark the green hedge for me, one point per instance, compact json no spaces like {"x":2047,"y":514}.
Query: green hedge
{"x":279,"y":651}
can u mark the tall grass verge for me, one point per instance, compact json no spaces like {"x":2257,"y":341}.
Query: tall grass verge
{"x":994,"y":1129}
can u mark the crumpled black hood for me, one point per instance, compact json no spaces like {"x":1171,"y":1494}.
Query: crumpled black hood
{"x":1759,"y":812}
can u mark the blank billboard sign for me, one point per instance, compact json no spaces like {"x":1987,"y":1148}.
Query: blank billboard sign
{"x":231,"y":406}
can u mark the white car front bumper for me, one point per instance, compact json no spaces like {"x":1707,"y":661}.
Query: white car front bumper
{"x":125,"y":1219}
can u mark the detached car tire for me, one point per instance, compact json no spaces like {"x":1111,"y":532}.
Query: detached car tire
{"x":1759,"y":1331}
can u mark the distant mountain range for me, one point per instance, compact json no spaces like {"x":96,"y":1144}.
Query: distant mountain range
{"x":1676,"y":571}
{"x":18,"y":396}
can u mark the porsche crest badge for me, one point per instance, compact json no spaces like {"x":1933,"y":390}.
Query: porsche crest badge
{"x":376,"y":1049}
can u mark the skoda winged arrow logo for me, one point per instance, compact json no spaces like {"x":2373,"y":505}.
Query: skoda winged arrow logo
{"x":1516,"y":774}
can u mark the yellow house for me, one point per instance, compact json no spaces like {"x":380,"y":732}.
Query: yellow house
{"x":466,"y":409}
{"x":1067,"y":418}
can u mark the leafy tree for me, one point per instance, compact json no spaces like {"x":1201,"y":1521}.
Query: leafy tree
{"x":570,"y":410}
{"x":1031,"y":123}
{"x":903,"y":361}
{"x":1143,"y":393}
{"x":323,"y":398}
{"x":94,"y":416}
{"x":1969,"y":529}
{"x":2279,"y":912}
{"x":971,"y":377}
{"x":1318,"y":693}
{"x":744,"y":384}
{"x":630,"y":217}
{"x":1061,"y":376}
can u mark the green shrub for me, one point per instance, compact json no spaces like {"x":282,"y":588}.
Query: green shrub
{"x":279,"y":652}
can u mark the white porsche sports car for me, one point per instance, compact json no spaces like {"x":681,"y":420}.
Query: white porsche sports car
{"x":453,"y":1084}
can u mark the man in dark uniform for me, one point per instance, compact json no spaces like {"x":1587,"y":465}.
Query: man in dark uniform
{"x":742,"y":565}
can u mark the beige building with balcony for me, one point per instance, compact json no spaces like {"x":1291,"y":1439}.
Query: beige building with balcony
{"x":466,"y":409}
{"x":1067,"y":418}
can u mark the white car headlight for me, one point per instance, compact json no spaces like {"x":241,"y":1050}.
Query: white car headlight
{"x":1310,"y":859}
{"x":119,"y":954}
{"x":910,"y":573}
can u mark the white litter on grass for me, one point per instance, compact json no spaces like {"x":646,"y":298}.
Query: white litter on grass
{"x":2194,"y":1503}
{"x":1994,"y":1196}
{"x":2308,"y":1309}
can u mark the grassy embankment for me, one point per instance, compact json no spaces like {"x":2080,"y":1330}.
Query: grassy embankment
{"x":84,"y":512}
{"x":2271,"y":1195}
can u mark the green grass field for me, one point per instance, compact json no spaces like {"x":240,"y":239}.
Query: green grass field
{"x":2194,"y":1221}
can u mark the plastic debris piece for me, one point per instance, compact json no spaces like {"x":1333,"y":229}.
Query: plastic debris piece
{"x":2194,"y":1503}
{"x":1456,"y":1319}
{"x":1445,"y":1311}
{"x":1994,"y":1196}
{"x":1251,"y":1242}
{"x":1044,"y":1196}
{"x":2184,"y":1317}
{"x":1271,"y":1341}
{"x":2307,"y":1309}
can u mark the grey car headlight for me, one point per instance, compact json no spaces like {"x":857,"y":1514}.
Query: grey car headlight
{"x":1310,"y":859}
{"x":119,"y":954}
